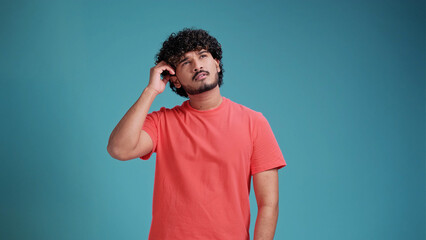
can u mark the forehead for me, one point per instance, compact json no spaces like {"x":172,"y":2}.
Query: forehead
{"x":194,"y":52}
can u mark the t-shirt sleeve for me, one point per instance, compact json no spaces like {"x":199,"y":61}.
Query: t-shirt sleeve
{"x":266,"y":151}
{"x":150,"y":126}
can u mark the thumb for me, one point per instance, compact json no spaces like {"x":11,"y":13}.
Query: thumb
{"x":165,"y":79}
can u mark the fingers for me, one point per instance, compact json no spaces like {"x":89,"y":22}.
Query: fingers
{"x":165,"y":79}
{"x":168,"y":77}
{"x":162,"y":66}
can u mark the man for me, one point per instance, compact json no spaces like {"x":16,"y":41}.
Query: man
{"x":207,"y":148}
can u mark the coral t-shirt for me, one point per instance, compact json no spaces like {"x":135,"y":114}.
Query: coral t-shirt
{"x":205,"y":160}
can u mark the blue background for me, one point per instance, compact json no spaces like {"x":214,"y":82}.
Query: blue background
{"x":342,"y":84}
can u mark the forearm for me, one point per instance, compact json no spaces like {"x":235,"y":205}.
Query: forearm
{"x":125,"y":135}
{"x":266,"y":223}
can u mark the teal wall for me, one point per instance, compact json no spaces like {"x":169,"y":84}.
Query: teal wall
{"x":342,"y":84}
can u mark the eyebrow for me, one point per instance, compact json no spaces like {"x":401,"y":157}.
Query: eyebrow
{"x":199,"y":53}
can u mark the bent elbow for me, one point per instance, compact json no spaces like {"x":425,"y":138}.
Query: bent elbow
{"x":115,"y":154}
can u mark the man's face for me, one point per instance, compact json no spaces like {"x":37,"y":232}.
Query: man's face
{"x":197,"y":72}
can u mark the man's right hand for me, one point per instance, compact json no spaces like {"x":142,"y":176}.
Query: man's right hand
{"x":155,"y":82}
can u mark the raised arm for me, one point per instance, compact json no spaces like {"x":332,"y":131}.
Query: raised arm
{"x":125,"y":140}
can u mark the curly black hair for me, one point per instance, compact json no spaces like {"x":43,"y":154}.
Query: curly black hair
{"x":186,"y":40}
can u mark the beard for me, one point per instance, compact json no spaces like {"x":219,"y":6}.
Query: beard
{"x":203,"y":88}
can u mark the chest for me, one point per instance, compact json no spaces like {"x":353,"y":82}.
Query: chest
{"x":226,"y":141}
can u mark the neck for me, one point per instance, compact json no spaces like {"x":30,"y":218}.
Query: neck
{"x":206,"y":100}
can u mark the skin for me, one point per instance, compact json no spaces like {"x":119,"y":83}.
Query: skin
{"x":265,"y":185}
{"x":203,"y":94}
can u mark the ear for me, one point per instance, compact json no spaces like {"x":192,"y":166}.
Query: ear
{"x":217,"y":65}
{"x":175,"y":82}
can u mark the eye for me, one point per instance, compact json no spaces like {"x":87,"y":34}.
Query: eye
{"x":203,"y":55}
{"x":183,"y":64}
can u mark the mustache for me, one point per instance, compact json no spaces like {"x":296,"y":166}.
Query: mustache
{"x":202,"y":71}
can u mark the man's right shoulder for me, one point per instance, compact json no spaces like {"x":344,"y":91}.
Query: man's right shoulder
{"x":167,"y":110}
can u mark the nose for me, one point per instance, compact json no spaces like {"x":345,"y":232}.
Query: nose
{"x":197,"y":65}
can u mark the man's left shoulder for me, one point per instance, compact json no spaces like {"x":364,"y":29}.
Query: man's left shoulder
{"x":244,"y":109}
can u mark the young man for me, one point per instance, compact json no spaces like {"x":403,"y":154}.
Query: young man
{"x":207,"y":148}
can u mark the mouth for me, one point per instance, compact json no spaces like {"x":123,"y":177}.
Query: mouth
{"x":200,"y":76}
